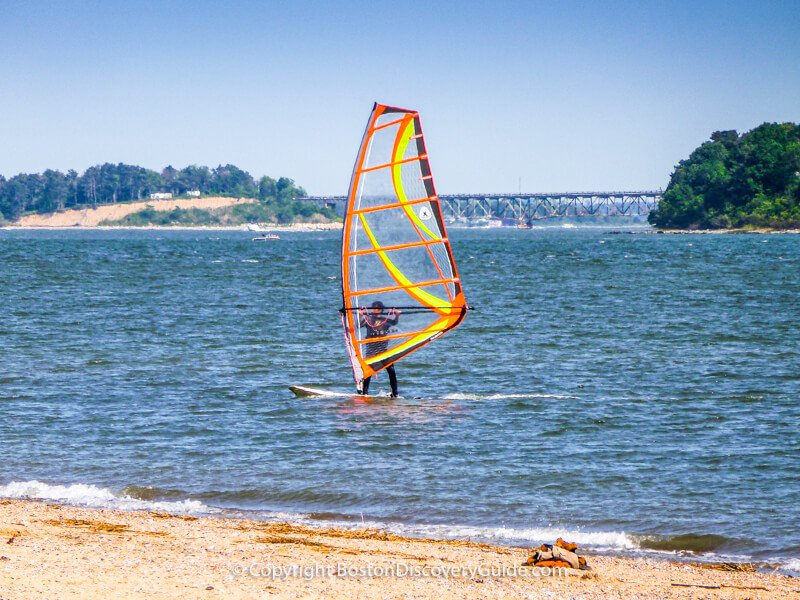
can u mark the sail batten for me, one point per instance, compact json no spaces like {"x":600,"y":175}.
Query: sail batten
{"x":395,"y":205}
{"x":392,"y":288}
{"x":393,"y":164}
{"x":395,"y":251}
{"x":416,"y":244}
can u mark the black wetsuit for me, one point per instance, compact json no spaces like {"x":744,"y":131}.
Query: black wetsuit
{"x":378,"y":326}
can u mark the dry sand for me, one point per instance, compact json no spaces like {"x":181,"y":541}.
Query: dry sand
{"x":49,"y":551}
{"x":91,"y":217}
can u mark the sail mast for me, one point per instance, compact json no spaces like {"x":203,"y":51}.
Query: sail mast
{"x":395,"y":249}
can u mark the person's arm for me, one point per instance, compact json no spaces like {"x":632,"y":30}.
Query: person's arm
{"x":393,"y":316}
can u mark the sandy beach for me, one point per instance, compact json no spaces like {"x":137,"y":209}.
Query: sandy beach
{"x":54,"y":551}
{"x":91,"y":217}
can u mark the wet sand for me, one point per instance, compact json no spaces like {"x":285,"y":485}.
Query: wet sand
{"x":52,"y":551}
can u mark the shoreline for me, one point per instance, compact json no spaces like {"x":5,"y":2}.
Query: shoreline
{"x":242,"y":228}
{"x":71,"y":552}
{"x":760,"y":230}
{"x":87,"y":216}
{"x":335,"y":226}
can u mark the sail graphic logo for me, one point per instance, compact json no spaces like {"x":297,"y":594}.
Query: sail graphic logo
{"x":425,"y":213}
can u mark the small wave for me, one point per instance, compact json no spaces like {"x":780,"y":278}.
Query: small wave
{"x":532,"y":396}
{"x":98,"y":362}
{"x":462,"y":396}
{"x":139,"y":492}
{"x":599,"y":540}
{"x":691,"y":542}
{"x":791,"y":567}
{"x":81,"y":494}
{"x":249,"y":260}
{"x":602,"y":540}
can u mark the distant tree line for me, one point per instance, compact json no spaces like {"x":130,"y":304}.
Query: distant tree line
{"x":108,"y":184}
{"x":736,"y":180}
{"x":239,"y":214}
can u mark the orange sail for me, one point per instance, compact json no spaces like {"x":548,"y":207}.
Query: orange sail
{"x":395,"y":248}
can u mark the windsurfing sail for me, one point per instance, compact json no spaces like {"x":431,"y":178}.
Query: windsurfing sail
{"x":395,"y":249}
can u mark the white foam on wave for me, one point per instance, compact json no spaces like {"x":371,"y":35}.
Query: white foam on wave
{"x":532,"y":396}
{"x":81,"y":494}
{"x":605,"y":540}
{"x":792,"y":565}
{"x":459,"y":396}
{"x":599,"y":540}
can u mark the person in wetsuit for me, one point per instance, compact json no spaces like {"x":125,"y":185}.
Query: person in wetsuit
{"x":377,"y":324}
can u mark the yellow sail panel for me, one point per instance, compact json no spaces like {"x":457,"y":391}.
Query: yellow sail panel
{"x":395,"y":250}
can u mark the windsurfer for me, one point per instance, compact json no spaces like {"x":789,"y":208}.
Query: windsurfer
{"x":377,"y":325}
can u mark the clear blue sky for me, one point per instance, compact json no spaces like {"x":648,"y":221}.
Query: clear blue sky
{"x":562,"y":95}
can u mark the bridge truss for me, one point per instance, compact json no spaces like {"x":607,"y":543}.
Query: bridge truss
{"x":527,"y":208}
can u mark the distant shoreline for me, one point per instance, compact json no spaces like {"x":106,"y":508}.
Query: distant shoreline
{"x":113,"y":216}
{"x":243,"y":228}
{"x":338,"y":226}
{"x":760,"y":230}
{"x":93,"y":216}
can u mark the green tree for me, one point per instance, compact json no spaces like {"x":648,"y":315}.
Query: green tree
{"x":5,"y":207}
{"x":734,"y":181}
{"x":287,"y":190}
{"x":109,"y":183}
{"x":72,"y":188}
{"x":195,"y":178}
{"x":267,"y":189}
{"x":169,"y":180}
{"x":232,"y":181}
{"x":54,"y":192}
{"x":20,"y":191}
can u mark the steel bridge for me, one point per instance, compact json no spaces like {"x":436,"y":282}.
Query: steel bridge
{"x":527,"y":208}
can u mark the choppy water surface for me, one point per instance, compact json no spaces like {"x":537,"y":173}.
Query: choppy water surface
{"x":633,"y":391}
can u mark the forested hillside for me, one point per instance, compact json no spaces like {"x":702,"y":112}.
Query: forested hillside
{"x":108,"y":183}
{"x":748,"y":180}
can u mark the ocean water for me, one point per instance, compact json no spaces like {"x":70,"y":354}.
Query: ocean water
{"x":633,"y":392}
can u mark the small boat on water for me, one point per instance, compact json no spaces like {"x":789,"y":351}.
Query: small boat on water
{"x":266,"y":236}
